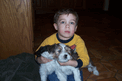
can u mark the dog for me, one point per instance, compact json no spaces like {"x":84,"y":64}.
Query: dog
{"x":62,"y":53}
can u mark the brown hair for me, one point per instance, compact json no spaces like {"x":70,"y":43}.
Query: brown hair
{"x":65,"y":11}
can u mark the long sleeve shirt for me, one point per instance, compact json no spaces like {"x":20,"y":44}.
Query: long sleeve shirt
{"x":76,"y":40}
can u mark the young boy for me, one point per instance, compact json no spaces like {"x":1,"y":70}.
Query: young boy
{"x":65,"y":22}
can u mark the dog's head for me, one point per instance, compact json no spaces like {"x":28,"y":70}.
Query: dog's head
{"x":60,"y":52}
{"x":64,"y":53}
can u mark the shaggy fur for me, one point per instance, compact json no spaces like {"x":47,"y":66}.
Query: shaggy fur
{"x":62,"y":53}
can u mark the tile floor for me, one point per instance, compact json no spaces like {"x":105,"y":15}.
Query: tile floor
{"x":102,"y":34}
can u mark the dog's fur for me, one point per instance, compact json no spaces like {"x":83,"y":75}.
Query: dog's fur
{"x":62,"y":53}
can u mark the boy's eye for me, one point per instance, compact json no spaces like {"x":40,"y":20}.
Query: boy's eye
{"x":72,"y":23}
{"x":62,"y":22}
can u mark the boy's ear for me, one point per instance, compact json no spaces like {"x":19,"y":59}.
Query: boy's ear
{"x":55,"y":26}
{"x":75,"y":28}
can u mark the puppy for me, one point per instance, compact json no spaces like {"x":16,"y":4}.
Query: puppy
{"x":61,"y":53}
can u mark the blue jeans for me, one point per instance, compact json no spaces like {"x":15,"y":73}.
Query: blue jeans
{"x":53,"y":77}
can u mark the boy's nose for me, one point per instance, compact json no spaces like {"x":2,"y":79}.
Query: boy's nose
{"x":67,"y":25}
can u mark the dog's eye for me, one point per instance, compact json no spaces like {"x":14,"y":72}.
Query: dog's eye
{"x":69,"y":52}
{"x":68,"y":49}
{"x":59,"y":51}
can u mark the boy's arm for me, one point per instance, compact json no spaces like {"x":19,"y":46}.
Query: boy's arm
{"x":41,"y":59}
{"x":83,"y":59}
{"x":73,"y":63}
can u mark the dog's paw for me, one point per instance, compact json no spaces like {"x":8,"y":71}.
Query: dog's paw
{"x":96,"y":72}
{"x":90,"y":69}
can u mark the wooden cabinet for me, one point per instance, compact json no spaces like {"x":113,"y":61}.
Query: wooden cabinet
{"x":16,"y":31}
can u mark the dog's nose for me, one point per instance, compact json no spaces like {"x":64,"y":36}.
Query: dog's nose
{"x":65,"y":56}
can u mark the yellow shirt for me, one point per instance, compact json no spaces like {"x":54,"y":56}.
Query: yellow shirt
{"x":75,"y":40}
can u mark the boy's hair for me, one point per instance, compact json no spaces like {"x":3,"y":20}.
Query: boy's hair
{"x":65,"y":11}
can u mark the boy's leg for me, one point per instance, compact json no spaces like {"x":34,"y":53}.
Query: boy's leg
{"x":53,"y":77}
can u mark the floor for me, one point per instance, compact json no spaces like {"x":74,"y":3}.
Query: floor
{"x":101,"y":32}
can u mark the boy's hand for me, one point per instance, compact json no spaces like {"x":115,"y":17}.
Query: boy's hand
{"x":69,"y":63}
{"x":43,"y":60}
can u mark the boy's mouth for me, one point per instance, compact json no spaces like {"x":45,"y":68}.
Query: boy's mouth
{"x":67,"y":31}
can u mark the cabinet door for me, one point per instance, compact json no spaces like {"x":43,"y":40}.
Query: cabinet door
{"x":16,"y":32}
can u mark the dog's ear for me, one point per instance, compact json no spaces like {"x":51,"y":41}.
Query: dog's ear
{"x":41,"y":50}
{"x":72,"y":52}
{"x":74,"y":55}
{"x":51,"y":48}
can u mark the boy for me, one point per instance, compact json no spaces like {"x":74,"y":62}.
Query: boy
{"x":65,"y":22}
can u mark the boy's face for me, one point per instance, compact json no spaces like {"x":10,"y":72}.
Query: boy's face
{"x":66,"y":26}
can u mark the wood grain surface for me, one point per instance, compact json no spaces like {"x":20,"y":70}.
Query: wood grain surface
{"x":16,"y":31}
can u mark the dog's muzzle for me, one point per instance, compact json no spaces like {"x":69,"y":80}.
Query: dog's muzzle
{"x":64,"y":57}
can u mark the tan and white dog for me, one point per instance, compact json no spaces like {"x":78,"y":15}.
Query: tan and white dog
{"x":62,"y":53}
